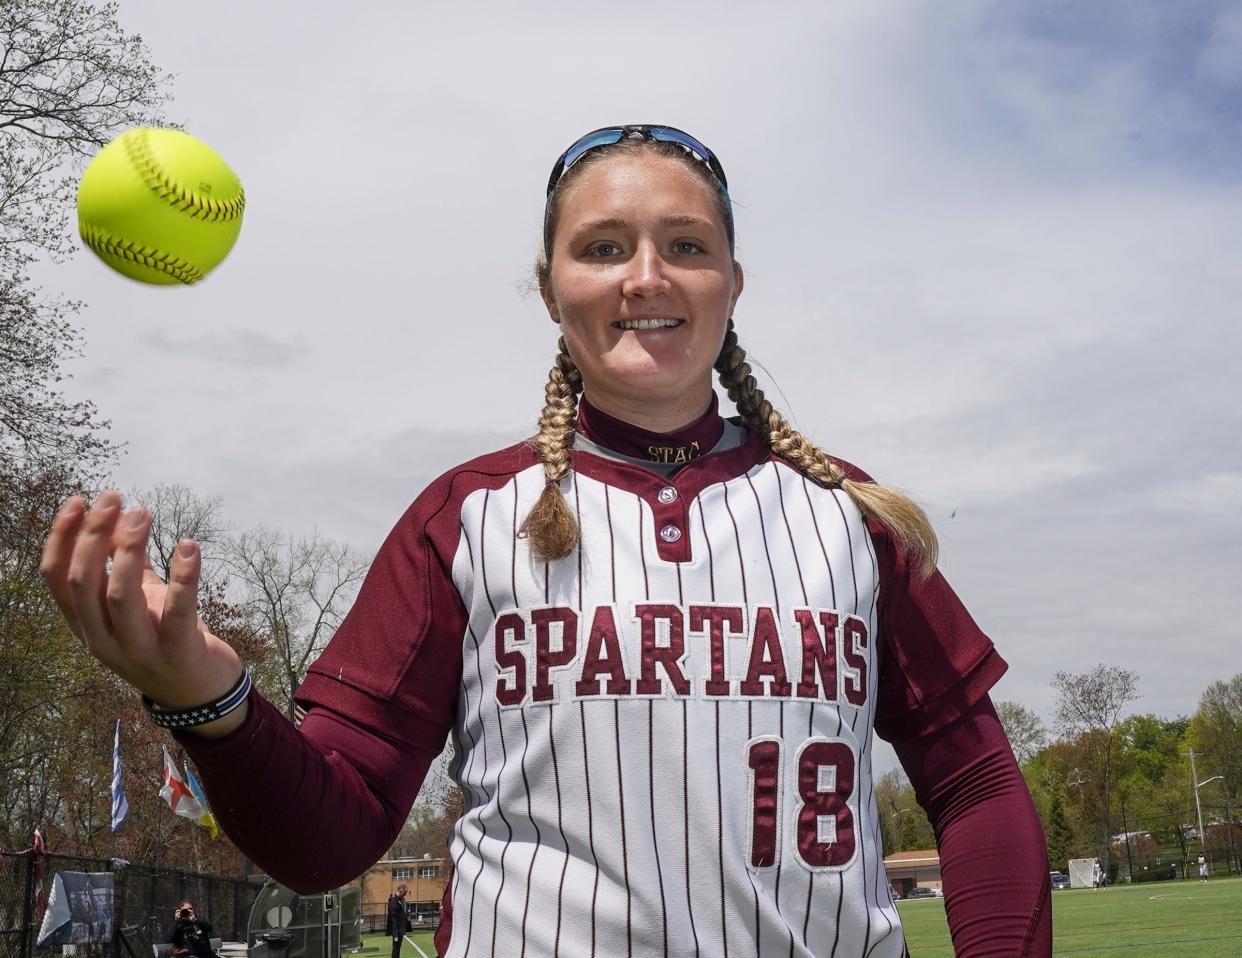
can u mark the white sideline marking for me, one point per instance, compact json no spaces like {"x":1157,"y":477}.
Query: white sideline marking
{"x":411,"y":943}
{"x":1173,"y":897}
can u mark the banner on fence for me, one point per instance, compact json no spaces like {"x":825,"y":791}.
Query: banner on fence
{"x":79,"y":909}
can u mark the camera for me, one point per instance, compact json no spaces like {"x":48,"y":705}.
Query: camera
{"x":184,"y":913}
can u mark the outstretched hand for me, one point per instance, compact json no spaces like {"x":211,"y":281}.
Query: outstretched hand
{"x":145,"y":630}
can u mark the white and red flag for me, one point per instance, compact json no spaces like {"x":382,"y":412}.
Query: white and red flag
{"x":180,"y":797}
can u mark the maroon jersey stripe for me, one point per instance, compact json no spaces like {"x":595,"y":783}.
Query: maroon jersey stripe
{"x":586,"y":762}
{"x":849,"y":540}
{"x":810,"y":886}
{"x":530,"y":816}
{"x":474,"y":885}
{"x":616,"y":723}
{"x":655,"y":841}
{"x":724,"y":921}
{"x":686,"y":818}
{"x":560,"y":825}
{"x":625,"y":857}
{"x":776,"y":601}
{"x":879,"y":839}
{"x":724,"y":924}
{"x":836,"y":938}
{"x":685,"y":785}
{"x":556,"y":778}
{"x":810,"y":725}
{"x":832,"y":584}
{"x":504,"y":750}
{"x":750,"y":706}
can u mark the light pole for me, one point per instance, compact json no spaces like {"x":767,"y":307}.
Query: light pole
{"x":1194,"y":777}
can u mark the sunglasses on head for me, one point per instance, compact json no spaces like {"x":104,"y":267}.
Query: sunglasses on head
{"x":609,"y":135}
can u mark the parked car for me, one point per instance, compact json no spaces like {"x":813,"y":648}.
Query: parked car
{"x":921,"y":892}
{"x":1059,"y":880}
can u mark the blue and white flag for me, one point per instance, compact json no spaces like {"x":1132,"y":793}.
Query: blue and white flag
{"x":120,"y":808}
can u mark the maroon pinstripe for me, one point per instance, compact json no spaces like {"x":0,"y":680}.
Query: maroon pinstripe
{"x":616,"y":721}
{"x":655,"y":842}
{"x":585,"y":761}
{"x":500,"y":732}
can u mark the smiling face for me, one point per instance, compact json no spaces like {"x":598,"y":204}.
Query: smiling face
{"x":642,"y":282}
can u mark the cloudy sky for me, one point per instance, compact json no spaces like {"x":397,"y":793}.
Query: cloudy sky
{"x":992,"y":255}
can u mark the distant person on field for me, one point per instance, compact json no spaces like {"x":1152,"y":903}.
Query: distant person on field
{"x":1097,"y":874}
{"x":398,"y":922}
{"x":1203,"y":867}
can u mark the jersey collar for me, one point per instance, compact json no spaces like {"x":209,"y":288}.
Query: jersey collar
{"x":684,"y":445}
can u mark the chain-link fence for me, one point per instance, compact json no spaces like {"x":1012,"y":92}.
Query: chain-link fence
{"x":144,"y":899}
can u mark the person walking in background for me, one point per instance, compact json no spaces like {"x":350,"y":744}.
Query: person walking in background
{"x":398,"y":921}
{"x":1203,"y":867}
{"x":1097,"y":875}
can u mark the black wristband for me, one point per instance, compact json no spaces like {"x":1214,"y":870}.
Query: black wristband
{"x":200,"y":714}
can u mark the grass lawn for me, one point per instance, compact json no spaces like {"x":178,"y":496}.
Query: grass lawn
{"x":383,"y":945}
{"x":1176,"y":919}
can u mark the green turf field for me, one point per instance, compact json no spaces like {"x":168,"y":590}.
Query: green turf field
{"x":1181,"y":919}
{"x":1176,"y":919}
{"x":383,"y":946}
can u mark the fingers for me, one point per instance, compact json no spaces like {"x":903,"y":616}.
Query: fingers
{"x":180,"y":617}
{"x":87,"y":578}
{"x":149,"y":575}
{"x":57,"y":552}
{"x":126,"y":601}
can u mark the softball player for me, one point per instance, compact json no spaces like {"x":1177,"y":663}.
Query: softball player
{"x":661,"y":642}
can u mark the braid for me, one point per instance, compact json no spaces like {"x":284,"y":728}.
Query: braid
{"x":550,"y":525}
{"x":898,"y":512}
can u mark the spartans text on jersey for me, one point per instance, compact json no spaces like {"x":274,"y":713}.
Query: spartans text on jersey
{"x":665,"y":650}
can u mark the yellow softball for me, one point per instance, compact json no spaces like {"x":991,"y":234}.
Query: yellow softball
{"x":160,"y":206}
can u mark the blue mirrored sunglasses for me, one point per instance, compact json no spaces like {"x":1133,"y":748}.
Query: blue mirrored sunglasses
{"x":609,"y":135}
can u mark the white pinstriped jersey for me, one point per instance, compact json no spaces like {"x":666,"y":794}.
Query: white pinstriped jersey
{"x":664,"y":739}
{"x":618,"y":815}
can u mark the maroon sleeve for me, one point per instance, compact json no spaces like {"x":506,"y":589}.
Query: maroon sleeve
{"x":313,"y":806}
{"x":993,"y":860}
{"x":380,"y":702}
{"x":395,"y":662}
{"x":935,"y":662}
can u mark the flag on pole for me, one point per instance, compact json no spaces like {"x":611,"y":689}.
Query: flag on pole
{"x":209,"y":821}
{"x":120,"y":808}
{"x":179,"y":797}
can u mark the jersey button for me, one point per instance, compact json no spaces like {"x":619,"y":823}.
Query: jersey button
{"x":667,"y":494}
{"x":670,"y":533}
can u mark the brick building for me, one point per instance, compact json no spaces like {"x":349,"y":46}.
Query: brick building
{"x":426,"y":879}
{"x":907,"y":870}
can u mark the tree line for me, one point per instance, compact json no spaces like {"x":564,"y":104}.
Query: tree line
{"x":1112,"y":784}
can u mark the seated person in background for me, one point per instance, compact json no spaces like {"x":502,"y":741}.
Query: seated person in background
{"x":189,"y":934}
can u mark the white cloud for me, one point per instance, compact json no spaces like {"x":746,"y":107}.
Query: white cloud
{"x":1218,"y":493}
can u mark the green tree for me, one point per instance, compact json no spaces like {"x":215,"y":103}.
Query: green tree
{"x":1025,"y":731}
{"x":70,"y":80}
{"x":1216,"y":734}
{"x":1089,"y":707}
{"x":1057,"y":832}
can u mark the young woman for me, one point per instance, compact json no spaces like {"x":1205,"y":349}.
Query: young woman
{"x":660,"y":640}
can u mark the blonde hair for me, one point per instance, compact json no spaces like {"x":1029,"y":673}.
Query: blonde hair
{"x":553,"y":529}
{"x":551,"y":525}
